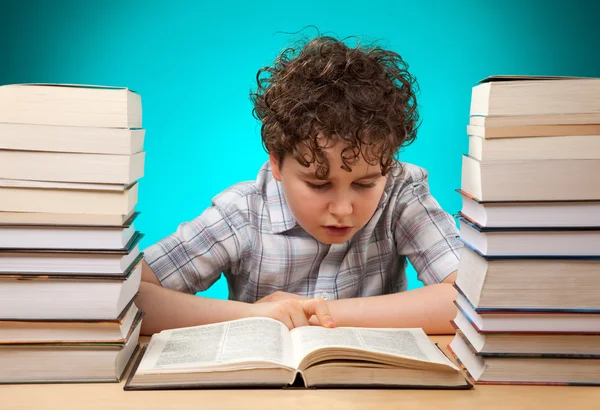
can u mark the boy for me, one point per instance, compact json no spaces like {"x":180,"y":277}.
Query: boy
{"x":322,"y":236}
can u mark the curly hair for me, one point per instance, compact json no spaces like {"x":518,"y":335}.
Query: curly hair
{"x":327,"y":92}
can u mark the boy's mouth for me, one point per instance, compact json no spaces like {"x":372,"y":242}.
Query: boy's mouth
{"x":333,"y":230}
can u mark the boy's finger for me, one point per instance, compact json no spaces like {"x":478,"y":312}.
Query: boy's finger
{"x":297,"y":315}
{"x":286,"y":320}
{"x":319,"y":308}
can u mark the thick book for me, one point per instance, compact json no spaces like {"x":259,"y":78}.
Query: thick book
{"x":538,"y":125}
{"x":66,"y":262}
{"x":492,"y":128}
{"x":33,"y":137}
{"x":74,"y":105}
{"x":524,"y":343}
{"x":535,"y":369}
{"x":529,"y":214}
{"x":531,"y":180}
{"x":262,"y":352}
{"x":77,"y":186}
{"x":536,"y":283}
{"x":542,"y":148}
{"x":120,"y":241}
{"x":67,"y":237}
{"x":68,"y":199}
{"x":64,"y":219}
{"x":70,"y":330}
{"x":71,"y":167}
{"x":570,"y":242}
{"x":66,"y":297}
{"x":82,"y":362}
{"x":535,"y":95}
{"x":557,"y":321}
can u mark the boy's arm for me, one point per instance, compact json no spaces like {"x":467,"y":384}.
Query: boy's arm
{"x":187,"y":261}
{"x":430,"y":307}
{"x":428,"y":237}
{"x":168,"y":309}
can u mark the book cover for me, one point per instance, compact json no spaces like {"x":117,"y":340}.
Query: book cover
{"x":515,"y":77}
{"x":500,"y":311}
{"x":524,"y":355}
{"x":527,"y":257}
{"x":65,"y":276}
{"x":482,"y":229}
{"x":126,"y":224}
{"x":526,"y":201}
{"x":118,"y":319}
{"x":135,"y":240}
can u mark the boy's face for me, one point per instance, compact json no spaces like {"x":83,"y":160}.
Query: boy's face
{"x":334,"y":209}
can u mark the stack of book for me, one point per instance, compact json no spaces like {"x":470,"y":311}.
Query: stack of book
{"x":70,"y":266}
{"x":529,"y":275}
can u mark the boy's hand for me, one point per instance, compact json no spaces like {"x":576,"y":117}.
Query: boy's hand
{"x":293,"y":312}
{"x":279,"y":295}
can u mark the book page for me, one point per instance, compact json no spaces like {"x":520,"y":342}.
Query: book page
{"x":410,"y":343}
{"x":220,"y":345}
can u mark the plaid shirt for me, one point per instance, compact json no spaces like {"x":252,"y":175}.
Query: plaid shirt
{"x":250,"y":235}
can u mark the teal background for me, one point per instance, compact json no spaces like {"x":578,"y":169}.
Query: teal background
{"x":194,"y":63}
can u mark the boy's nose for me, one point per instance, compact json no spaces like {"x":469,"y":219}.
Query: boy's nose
{"x":340,"y":207}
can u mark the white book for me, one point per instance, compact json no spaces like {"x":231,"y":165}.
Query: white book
{"x":73,"y":363}
{"x":526,"y":320}
{"x":529,"y":369}
{"x":519,"y":343}
{"x":70,"y":331}
{"x":531,"y":242}
{"x":65,"y":237}
{"x":531,"y":180}
{"x":70,"y":105}
{"x":538,"y":125}
{"x":67,"y":200}
{"x":66,"y":298}
{"x":515,"y":282}
{"x":263,"y":352}
{"x":523,"y":214}
{"x":25,"y":183}
{"x":71,"y":167}
{"x":34,"y":137}
{"x":534,"y":148}
{"x":70,"y":261}
{"x":41,"y":218}
{"x":529,"y":95}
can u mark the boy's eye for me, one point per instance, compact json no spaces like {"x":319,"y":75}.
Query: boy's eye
{"x":364,"y":186}
{"x":317,"y":186}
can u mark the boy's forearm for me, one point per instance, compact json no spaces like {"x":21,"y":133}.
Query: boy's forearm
{"x":168,"y":309}
{"x":430,"y":308}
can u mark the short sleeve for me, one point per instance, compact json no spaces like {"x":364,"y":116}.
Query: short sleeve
{"x":192,"y":258}
{"x":426,"y":234}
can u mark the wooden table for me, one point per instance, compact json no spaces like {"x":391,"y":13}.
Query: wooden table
{"x":112,"y":396}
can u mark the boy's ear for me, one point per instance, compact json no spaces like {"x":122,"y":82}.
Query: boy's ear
{"x":275,"y":167}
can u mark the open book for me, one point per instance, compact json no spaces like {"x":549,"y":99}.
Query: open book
{"x":262,"y":352}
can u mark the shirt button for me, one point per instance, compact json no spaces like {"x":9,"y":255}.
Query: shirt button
{"x":324,"y":296}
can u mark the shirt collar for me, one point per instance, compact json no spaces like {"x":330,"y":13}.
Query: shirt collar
{"x":389,"y":184}
{"x":280,"y":214}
